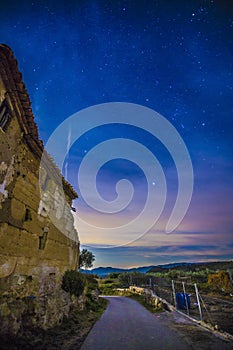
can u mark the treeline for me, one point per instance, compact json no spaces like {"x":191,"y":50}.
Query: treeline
{"x":207,"y":280}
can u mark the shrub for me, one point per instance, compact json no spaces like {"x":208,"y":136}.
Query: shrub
{"x":73,"y":282}
{"x":91,"y":280}
{"x":91,"y":287}
{"x":220,"y":281}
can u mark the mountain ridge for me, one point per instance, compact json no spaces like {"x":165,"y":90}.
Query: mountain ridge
{"x":105,"y":271}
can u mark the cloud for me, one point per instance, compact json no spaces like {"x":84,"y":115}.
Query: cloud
{"x":144,"y":255}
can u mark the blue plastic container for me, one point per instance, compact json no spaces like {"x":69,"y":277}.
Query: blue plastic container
{"x":181,"y":302}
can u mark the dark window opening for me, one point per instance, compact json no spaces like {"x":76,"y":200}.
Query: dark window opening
{"x":5,"y":115}
{"x":28,"y":215}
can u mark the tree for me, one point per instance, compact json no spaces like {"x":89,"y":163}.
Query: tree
{"x":86,"y":259}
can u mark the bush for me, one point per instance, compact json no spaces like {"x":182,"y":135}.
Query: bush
{"x":91,"y":280}
{"x":92,"y":292}
{"x":220,"y":281}
{"x":73,"y":282}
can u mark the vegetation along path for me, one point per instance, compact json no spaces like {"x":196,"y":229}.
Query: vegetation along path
{"x":128,"y":325}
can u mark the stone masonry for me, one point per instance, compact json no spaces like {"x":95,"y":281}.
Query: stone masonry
{"x":34,"y":252}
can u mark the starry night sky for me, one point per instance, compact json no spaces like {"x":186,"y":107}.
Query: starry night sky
{"x":174,"y":57}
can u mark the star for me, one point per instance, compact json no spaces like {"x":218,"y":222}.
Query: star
{"x":174,"y":59}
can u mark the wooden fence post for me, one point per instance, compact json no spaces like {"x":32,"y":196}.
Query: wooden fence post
{"x":198,"y":301}
{"x":174,"y":293}
{"x":185,"y":296}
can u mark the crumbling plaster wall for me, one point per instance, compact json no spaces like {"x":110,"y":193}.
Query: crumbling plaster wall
{"x":34,"y":252}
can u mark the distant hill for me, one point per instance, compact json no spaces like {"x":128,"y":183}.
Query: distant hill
{"x":161,"y":268}
{"x":211,"y":265}
{"x":183,"y":266}
{"x":105,"y":271}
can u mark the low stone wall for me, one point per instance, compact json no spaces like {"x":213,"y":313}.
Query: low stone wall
{"x":43,"y":311}
{"x":151,"y":298}
{"x":140,"y":290}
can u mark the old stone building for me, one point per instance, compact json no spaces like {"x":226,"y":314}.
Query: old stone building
{"x":34,"y":250}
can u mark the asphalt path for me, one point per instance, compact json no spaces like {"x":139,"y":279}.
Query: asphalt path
{"x":127,"y":325}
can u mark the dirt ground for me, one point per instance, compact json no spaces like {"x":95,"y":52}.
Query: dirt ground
{"x":220,"y":312}
{"x":217,"y":310}
{"x":198,"y":337}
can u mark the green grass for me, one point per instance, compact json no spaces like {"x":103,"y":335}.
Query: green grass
{"x":107,"y":286}
{"x":143,"y":301}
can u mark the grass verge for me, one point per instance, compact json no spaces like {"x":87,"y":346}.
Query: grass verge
{"x":143,"y":301}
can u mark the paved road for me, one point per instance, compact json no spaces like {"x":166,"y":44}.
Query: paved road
{"x":126,"y":325}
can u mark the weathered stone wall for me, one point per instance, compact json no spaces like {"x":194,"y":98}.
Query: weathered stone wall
{"x":45,"y":310}
{"x":38,"y":241}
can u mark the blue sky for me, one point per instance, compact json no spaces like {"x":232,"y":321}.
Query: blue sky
{"x":174,"y":57}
